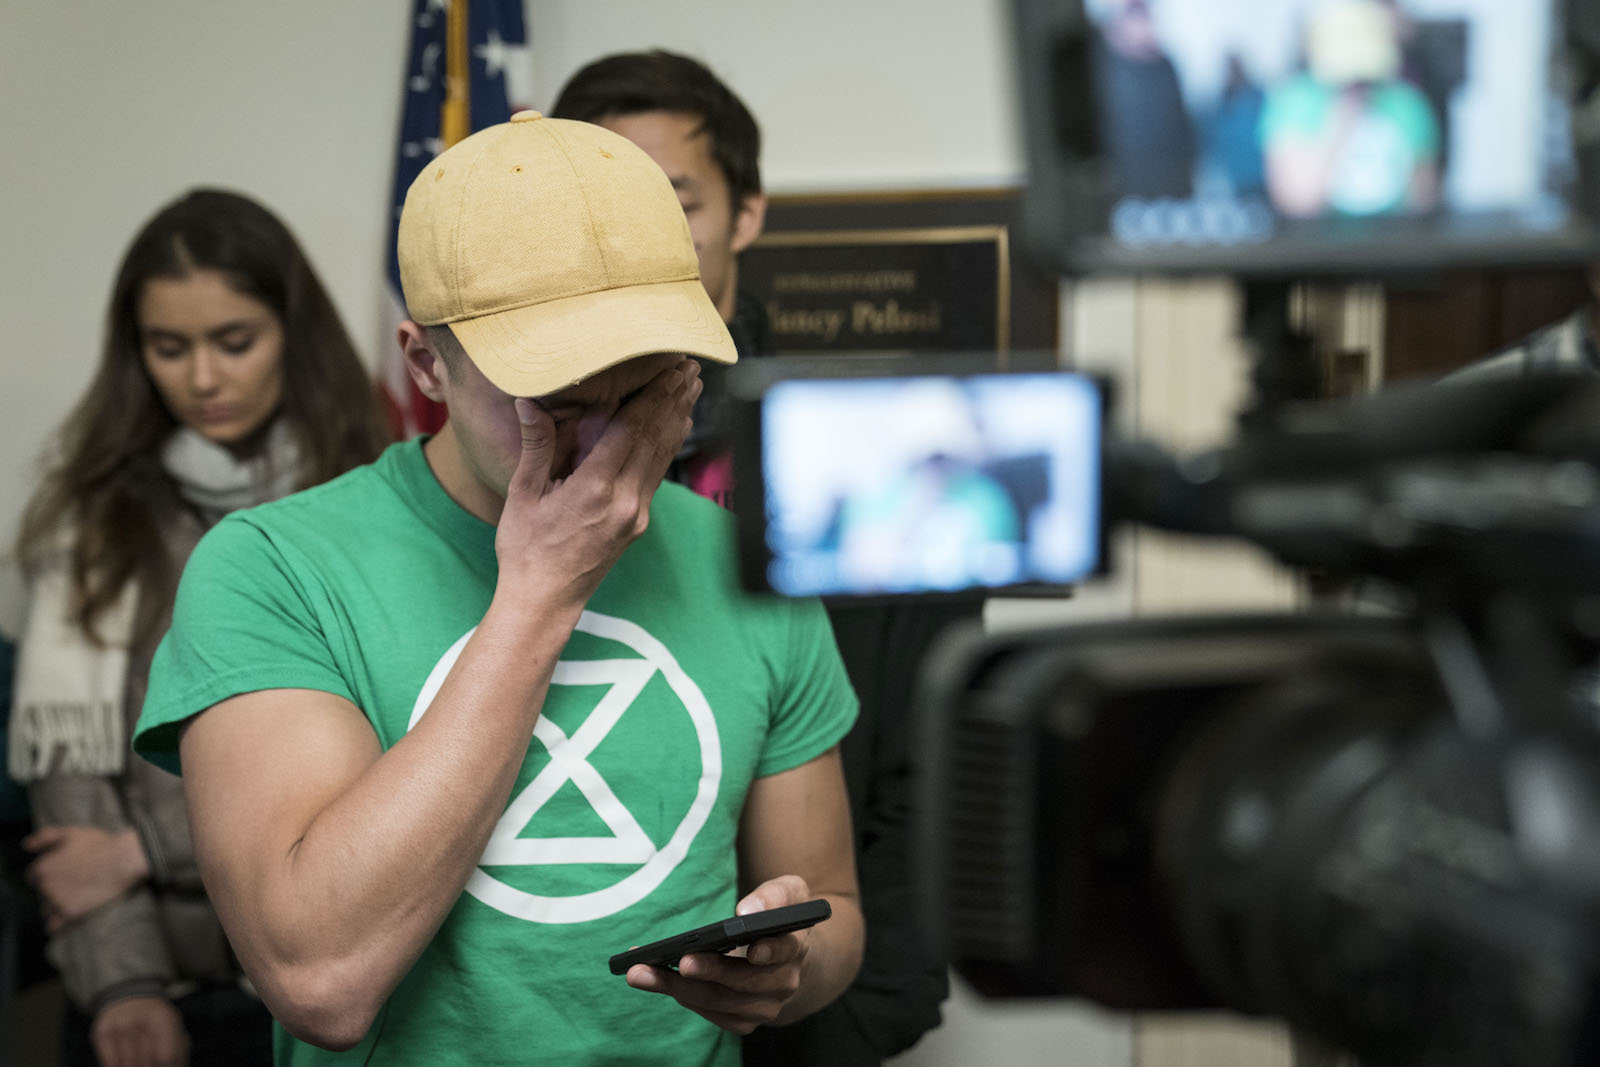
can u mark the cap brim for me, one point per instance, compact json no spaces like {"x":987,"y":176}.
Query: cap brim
{"x":545,"y":347}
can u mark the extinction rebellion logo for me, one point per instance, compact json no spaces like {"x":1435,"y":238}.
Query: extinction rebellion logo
{"x":627,"y":844}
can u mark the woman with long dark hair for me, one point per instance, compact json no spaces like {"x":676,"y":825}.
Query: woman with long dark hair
{"x":226,"y":380}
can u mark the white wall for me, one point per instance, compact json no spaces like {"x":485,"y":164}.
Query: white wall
{"x":849,"y":94}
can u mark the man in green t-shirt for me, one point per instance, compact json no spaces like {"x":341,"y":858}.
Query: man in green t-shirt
{"x":460,"y":725}
{"x":1349,"y":135}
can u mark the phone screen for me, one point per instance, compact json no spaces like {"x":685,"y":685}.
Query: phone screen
{"x":930,"y":483}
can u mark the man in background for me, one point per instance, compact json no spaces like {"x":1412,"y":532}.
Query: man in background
{"x":708,"y":143}
{"x":706,"y":140}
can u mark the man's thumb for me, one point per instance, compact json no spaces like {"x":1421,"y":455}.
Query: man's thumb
{"x":538,"y":448}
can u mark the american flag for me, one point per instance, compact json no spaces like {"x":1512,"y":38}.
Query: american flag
{"x":469,"y":68}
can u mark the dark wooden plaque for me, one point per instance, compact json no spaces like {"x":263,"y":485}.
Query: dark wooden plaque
{"x":925,"y":271}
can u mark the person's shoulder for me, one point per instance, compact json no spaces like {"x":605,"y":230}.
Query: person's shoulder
{"x":350,"y":495}
{"x":342,"y":509}
{"x":677,"y":504}
{"x":1402,"y":102}
{"x":1297,"y":101}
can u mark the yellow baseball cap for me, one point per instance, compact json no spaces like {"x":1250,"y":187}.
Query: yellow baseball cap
{"x":554,"y":249}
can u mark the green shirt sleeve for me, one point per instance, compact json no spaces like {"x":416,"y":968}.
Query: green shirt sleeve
{"x":1408,"y":109}
{"x":814,"y":705}
{"x":244,"y":620}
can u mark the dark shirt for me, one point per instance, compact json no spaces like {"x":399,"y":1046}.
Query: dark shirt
{"x":896,"y":996}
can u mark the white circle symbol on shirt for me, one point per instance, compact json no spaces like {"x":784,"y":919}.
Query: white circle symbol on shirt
{"x":569,"y":761}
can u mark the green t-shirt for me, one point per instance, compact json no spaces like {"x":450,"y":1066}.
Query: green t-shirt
{"x":674,"y":692}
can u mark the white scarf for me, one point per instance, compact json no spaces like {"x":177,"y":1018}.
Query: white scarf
{"x":67,"y":714}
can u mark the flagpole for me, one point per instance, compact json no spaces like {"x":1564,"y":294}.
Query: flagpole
{"x":455,"y":117}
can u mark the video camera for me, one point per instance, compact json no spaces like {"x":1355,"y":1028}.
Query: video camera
{"x":1379,"y":822}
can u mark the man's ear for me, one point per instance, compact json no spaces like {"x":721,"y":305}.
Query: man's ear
{"x":423,"y":363}
{"x":747,"y":223}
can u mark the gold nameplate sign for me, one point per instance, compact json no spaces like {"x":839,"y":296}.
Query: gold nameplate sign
{"x":896,"y":286}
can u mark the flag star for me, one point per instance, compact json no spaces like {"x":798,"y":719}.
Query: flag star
{"x":495,"y":53}
{"x":425,"y":16}
{"x":434,"y":145}
{"x":427,"y":69}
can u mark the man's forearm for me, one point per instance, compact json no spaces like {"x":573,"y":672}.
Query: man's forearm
{"x":832,"y":960}
{"x":334,"y":918}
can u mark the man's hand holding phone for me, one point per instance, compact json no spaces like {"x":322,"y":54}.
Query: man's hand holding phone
{"x":748,"y":987}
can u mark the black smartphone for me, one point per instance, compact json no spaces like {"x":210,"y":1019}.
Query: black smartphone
{"x":724,"y":935}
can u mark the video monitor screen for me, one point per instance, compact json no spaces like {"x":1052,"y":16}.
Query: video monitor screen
{"x":1302,"y":135}
{"x":929,"y":483}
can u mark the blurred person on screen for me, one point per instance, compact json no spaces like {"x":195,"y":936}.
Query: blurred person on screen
{"x":1348,"y":135}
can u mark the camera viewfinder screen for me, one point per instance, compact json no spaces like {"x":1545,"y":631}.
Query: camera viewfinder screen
{"x":931,"y":484}
{"x":1230,"y":123}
